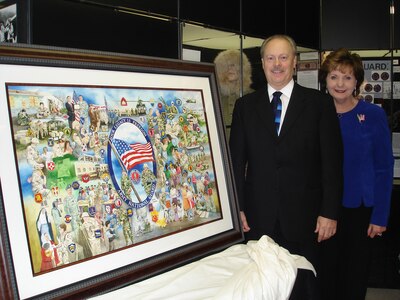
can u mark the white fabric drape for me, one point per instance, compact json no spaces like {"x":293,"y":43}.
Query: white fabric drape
{"x":258,"y":270}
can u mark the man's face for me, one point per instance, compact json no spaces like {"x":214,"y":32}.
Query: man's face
{"x":278,"y":62}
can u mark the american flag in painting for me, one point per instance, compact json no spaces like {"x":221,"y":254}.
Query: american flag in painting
{"x":133,"y":154}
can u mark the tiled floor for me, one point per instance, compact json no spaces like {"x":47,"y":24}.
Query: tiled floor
{"x":382,"y":294}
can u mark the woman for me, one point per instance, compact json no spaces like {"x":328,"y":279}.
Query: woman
{"x":43,"y":225}
{"x":49,"y":253}
{"x":368,"y":171}
{"x":57,"y":216}
{"x":46,"y":156}
{"x":67,"y":147}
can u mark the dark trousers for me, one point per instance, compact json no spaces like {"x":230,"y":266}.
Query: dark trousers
{"x":306,"y":286}
{"x":349,"y":252}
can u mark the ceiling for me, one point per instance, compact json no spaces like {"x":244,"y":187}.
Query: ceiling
{"x":199,"y":36}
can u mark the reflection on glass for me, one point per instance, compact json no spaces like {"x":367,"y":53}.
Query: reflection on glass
{"x":233,"y":69}
{"x":233,"y":80}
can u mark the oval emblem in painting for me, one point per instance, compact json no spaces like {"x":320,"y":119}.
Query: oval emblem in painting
{"x":130,"y":152}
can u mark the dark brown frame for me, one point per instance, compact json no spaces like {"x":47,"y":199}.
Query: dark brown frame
{"x":19,"y":54}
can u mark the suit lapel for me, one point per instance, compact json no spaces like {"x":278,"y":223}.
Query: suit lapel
{"x":296,"y":106}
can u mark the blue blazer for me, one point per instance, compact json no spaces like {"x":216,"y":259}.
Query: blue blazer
{"x":368,"y":160}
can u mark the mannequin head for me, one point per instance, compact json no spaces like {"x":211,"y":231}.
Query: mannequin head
{"x":227,"y":65}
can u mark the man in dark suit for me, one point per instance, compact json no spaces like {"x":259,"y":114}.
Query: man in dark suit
{"x":70,"y":111}
{"x":288,"y":175}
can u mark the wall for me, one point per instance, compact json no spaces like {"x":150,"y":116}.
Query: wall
{"x":358,"y":24}
{"x":76,"y":25}
{"x":102,"y":24}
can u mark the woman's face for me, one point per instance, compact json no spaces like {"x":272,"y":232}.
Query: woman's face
{"x":232,"y":73}
{"x":341,"y":84}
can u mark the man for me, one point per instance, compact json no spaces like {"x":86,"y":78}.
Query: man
{"x":72,"y":209}
{"x":148,"y":178}
{"x":289,"y":182}
{"x":84,"y":111}
{"x":70,"y":111}
{"x":43,"y":112}
{"x":23,"y":118}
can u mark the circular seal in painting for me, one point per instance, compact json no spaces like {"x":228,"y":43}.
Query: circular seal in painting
{"x":131,"y":162}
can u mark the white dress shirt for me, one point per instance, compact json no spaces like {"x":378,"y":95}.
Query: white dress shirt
{"x":285,"y":97}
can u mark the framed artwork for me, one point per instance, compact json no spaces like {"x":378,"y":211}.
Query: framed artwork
{"x":114,"y":169}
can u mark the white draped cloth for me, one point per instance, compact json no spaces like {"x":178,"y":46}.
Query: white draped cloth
{"x":256,"y":270}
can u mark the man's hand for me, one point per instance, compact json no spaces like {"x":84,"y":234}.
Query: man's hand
{"x":246,"y":227}
{"x":326,"y":228}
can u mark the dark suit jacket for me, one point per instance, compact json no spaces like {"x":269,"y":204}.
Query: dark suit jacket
{"x":70,"y":111}
{"x":292,"y":178}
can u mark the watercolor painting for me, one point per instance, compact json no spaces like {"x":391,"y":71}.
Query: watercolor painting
{"x":106,"y":168}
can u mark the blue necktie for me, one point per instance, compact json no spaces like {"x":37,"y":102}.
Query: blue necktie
{"x":277,"y":108}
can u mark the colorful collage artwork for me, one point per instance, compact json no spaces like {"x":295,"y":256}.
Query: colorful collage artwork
{"x":105,"y":168}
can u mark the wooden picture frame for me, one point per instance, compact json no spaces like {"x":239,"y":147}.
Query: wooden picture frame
{"x":167,"y":206}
